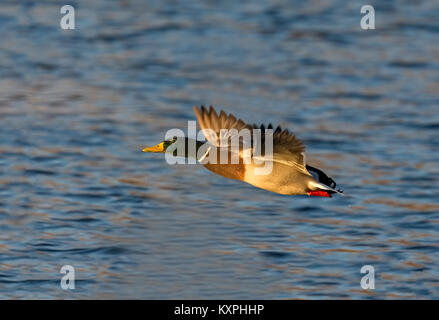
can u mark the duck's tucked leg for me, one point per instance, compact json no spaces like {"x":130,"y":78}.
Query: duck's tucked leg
{"x":319,"y":193}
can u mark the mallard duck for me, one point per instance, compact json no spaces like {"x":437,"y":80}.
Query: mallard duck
{"x":289,"y":174}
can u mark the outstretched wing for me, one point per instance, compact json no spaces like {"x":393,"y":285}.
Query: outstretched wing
{"x":287,"y":149}
{"x":286,"y":146}
{"x":218,"y":129}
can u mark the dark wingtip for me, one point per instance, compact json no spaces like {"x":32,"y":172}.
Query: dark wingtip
{"x":212,"y":112}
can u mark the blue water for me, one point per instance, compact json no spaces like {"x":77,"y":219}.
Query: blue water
{"x":77,"y":106}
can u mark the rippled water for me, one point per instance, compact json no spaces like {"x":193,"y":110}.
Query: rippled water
{"x":76,"y":107}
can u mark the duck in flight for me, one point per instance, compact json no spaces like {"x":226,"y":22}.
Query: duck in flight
{"x":289,"y":174}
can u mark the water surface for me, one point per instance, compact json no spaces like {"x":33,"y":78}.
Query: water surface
{"x":76,"y":107}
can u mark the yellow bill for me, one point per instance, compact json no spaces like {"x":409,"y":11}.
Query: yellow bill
{"x":157,"y":148}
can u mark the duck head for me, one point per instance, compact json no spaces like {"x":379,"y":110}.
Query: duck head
{"x":162,"y":147}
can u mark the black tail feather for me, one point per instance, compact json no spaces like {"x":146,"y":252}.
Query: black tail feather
{"x":323,"y":178}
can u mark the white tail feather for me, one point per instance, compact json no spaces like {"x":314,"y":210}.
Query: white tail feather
{"x":321,"y":186}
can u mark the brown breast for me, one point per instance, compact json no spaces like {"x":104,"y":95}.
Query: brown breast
{"x":228,"y":170}
{"x":231,"y":171}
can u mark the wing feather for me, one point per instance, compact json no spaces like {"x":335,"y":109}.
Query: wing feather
{"x":287,"y":148}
